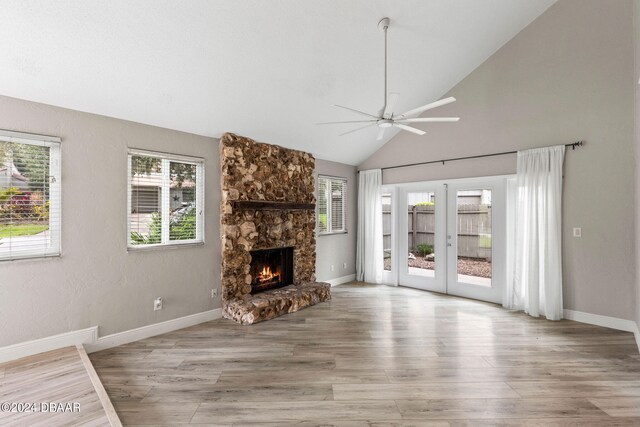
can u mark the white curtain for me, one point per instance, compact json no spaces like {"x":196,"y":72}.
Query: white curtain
{"x":534,"y":273}
{"x":369,"y":261}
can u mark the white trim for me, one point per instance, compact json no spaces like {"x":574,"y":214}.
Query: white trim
{"x":166,"y":156}
{"x":147,"y":331}
{"x":52,"y":248}
{"x":165,"y":201}
{"x":162,"y":246}
{"x":67,"y":339}
{"x":636,"y":334}
{"x":128,"y":213}
{"x":109,"y":410}
{"x":599,"y":320}
{"x":340,"y":280}
{"x":89,"y":337}
{"x":200,"y":202}
{"x":55,"y":199}
{"x":390,"y":277}
{"x":329,"y":201}
{"x":27,"y":136}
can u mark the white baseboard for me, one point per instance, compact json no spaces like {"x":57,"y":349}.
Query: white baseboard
{"x":143,"y":332}
{"x":67,"y":339}
{"x":598,"y":320}
{"x":340,"y":280}
{"x":605,"y":321}
{"x":89,"y":337}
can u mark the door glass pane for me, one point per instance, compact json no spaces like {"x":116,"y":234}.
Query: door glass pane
{"x":474,"y":236}
{"x":421,"y":217}
{"x":386,"y":230}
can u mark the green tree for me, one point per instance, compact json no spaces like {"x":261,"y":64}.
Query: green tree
{"x":180,"y":228}
{"x":154,"y":235}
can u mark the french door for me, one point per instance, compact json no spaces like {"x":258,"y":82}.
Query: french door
{"x":422,"y":253}
{"x":476,"y":238}
{"x":448,"y":236}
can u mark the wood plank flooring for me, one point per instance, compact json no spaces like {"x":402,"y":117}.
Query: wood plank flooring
{"x":382,"y":356}
{"x":55,"y":376}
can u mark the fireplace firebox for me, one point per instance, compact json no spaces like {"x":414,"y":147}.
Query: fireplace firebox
{"x":271,"y":269}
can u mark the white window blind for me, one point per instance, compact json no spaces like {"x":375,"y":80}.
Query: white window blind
{"x":29,"y":196}
{"x":332,"y":193}
{"x":165,"y":199}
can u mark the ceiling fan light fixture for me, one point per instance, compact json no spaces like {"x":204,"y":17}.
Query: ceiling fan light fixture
{"x":384,"y":123}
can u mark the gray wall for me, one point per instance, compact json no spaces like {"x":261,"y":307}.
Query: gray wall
{"x":96,"y":281}
{"x":636,"y":27}
{"x":336,"y":249}
{"x":568,"y":76}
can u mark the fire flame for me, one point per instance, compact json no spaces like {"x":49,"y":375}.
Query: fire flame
{"x":266,"y":274}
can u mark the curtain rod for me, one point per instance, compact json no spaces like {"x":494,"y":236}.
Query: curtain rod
{"x":573,"y":146}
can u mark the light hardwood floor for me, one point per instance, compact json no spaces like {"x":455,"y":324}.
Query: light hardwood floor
{"x":55,"y":376}
{"x":382,"y":356}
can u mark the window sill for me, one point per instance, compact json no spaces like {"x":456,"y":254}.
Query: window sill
{"x":332,"y":233}
{"x":31,"y":257}
{"x":147,"y":248}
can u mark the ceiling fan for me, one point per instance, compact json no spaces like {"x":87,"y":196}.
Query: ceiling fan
{"x":386,"y":117}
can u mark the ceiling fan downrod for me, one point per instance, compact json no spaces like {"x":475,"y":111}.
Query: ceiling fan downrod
{"x":384,"y":25}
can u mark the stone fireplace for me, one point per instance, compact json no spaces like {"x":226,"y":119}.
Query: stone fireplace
{"x":267,"y":216}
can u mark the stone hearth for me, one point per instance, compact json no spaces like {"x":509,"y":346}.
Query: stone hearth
{"x":268,"y":201}
{"x":274,"y":303}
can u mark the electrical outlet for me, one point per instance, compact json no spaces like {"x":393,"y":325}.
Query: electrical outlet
{"x":344,"y":265}
{"x":214,"y":293}
{"x":577,"y":232}
{"x":332,"y":267}
{"x":157,"y":304}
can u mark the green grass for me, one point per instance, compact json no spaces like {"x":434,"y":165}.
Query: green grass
{"x":322,"y":221}
{"x":21,"y":230}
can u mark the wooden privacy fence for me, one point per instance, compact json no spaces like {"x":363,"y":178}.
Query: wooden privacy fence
{"x":474,"y":228}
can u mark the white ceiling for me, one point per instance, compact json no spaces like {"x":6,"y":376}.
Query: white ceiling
{"x":268,"y":70}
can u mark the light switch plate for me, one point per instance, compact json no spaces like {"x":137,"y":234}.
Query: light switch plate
{"x":577,"y":232}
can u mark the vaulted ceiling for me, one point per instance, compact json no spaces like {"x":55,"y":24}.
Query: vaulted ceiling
{"x":268,"y":70}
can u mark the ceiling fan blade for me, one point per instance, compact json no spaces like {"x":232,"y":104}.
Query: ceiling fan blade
{"x":380,"y":134}
{"x":429,"y":120}
{"x":362,"y":113}
{"x":424,"y":108}
{"x":392,"y":99}
{"x":355,"y":130}
{"x":352,"y":121}
{"x":409,"y":128}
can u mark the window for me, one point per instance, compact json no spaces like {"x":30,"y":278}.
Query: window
{"x":29,"y":196}
{"x":332,"y":193}
{"x":165,"y":199}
